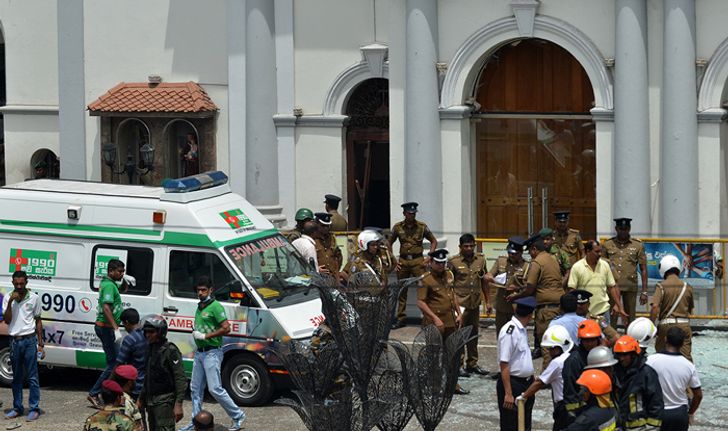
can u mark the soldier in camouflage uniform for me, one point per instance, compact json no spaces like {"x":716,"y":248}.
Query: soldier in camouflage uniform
{"x":568,"y":239}
{"x":111,"y":417}
{"x":165,"y":382}
{"x":557,"y":252}
{"x":328,"y":253}
{"x":303,"y":216}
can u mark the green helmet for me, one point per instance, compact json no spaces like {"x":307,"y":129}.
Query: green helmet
{"x":303,"y":214}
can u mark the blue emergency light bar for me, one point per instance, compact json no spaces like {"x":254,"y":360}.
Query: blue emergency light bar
{"x":195,"y":182}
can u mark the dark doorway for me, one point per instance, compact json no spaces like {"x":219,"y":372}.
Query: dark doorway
{"x":367,"y":155}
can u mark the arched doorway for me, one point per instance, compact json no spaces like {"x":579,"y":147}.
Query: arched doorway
{"x":182,"y":157}
{"x":131,"y":135}
{"x":535,"y":141}
{"x":367,"y":154}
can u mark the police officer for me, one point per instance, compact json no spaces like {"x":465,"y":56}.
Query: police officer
{"x":672,"y":305}
{"x":624,"y":254}
{"x":303,"y":216}
{"x":508,"y":275}
{"x":165,"y":382}
{"x":411,"y":233}
{"x":516,"y":365}
{"x":437,"y":300}
{"x":566,"y":238}
{"x":338,"y":222}
{"x":328,"y":253}
{"x":590,"y":335}
{"x":583,"y":301}
{"x":544,"y":281}
{"x":639,"y":394}
{"x":468,"y":267}
{"x":367,"y":257}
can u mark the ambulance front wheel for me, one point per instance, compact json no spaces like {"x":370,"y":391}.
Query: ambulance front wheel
{"x":246,"y":380}
{"x":6,"y":368}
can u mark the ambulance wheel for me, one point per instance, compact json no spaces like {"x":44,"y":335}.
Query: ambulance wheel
{"x":246,"y":380}
{"x":6,"y":369}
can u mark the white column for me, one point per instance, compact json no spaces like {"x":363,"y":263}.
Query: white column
{"x":679,"y":152}
{"x":236,"y":94}
{"x":423,"y":174}
{"x":261,"y":146}
{"x":631,"y":117}
{"x":71,"y":90}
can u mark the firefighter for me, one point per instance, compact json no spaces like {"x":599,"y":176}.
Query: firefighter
{"x":644,"y":331}
{"x":639,"y":394}
{"x":590,"y":336}
{"x":599,"y":413}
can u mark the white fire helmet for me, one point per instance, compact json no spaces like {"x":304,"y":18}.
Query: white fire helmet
{"x":667,"y":263}
{"x":643,"y":330}
{"x":365,"y":237}
{"x":557,"y":336}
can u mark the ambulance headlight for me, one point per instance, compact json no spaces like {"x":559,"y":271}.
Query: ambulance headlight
{"x":73,"y":212}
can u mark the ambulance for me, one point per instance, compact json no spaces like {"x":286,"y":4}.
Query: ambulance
{"x":63,"y":234}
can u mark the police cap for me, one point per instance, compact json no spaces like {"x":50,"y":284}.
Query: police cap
{"x":582,"y":296}
{"x":410,"y":207}
{"x":439,"y":255}
{"x":623,"y":222}
{"x":515,"y":244}
{"x":332,"y":198}
{"x":526,"y":301}
{"x":323,"y":218}
{"x":561,"y":215}
{"x":533,"y":238}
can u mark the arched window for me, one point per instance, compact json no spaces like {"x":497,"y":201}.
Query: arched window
{"x":131,"y":135}
{"x":44,"y":164}
{"x":182,"y":157}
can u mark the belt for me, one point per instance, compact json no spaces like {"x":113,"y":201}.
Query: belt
{"x":409,"y":256}
{"x":104,"y":325}
{"x":523,"y":379}
{"x":207,"y":349}
{"x":547,"y":306}
{"x":673,"y":320}
{"x":22,"y":337}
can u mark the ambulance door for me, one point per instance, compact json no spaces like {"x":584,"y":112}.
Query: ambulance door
{"x":140,"y":290}
{"x":185,"y":268}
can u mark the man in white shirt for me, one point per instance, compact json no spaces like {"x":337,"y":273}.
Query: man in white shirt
{"x":516,"y":365}
{"x":559,"y":342}
{"x":306,"y":245}
{"x":676,"y":375}
{"x":21,"y":311}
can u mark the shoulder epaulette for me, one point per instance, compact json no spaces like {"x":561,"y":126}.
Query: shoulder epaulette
{"x":510,"y":329}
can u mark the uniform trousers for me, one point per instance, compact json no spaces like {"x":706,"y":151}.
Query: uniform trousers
{"x":408,"y":268}
{"x":686,"y":349}
{"x":160,"y":412}
{"x":509,"y":418}
{"x":471,"y":317}
{"x":675,"y":419}
{"x":629,"y":302}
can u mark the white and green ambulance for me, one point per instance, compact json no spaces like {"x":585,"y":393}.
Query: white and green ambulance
{"x":63,"y":233}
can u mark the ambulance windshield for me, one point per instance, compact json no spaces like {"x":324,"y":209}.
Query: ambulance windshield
{"x":274,"y":269}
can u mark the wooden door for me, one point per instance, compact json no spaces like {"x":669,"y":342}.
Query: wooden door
{"x":534,"y":133}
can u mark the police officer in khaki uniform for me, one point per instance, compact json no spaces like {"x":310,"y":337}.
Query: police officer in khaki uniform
{"x":566,"y":238}
{"x":338,"y":222}
{"x":624,"y":253}
{"x":437,"y":300}
{"x":328,"y":254}
{"x":411,"y":234}
{"x":672,"y":305}
{"x":367,"y":258}
{"x":468,"y":267}
{"x":544,"y":281}
{"x":514,"y":269}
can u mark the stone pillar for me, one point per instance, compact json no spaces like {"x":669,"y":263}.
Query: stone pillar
{"x":236,"y":94}
{"x":423,"y":173}
{"x":631,"y":117}
{"x":71,"y":91}
{"x":261,"y":146}
{"x":679,"y":152}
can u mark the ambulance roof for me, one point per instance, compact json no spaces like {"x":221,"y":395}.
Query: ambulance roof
{"x":89,"y":187}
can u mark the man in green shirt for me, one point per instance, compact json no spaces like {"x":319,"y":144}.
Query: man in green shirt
{"x":108,"y":320}
{"x":210,"y":325}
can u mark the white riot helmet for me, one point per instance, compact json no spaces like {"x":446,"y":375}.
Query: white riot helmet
{"x":600,"y":357}
{"x":557,"y":336}
{"x":667,"y":263}
{"x":365,"y":237}
{"x":642,"y":329}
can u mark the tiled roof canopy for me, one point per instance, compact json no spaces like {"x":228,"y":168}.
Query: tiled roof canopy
{"x":166,"y":97}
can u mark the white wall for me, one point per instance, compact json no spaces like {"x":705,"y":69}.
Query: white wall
{"x":319,"y":166}
{"x":24,"y":135}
